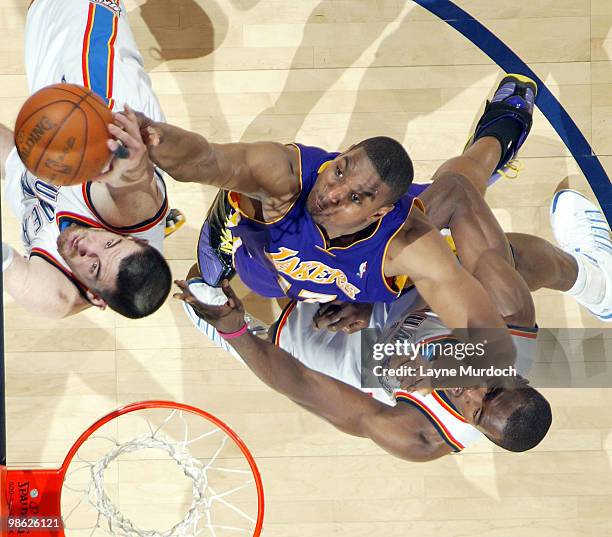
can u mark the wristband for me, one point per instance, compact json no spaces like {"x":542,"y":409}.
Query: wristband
{"x":233,"y":335}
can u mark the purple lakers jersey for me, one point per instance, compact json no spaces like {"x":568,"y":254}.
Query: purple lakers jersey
{"x":290,"y":257}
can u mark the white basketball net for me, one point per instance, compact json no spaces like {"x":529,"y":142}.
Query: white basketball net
{"x":158,"y":447}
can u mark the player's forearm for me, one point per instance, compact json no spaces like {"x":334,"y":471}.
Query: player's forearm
{"x":453,"y":202}
{"x":474,"y":321}
{"x":274,"y":366}
{"x":36,"y":287}
{"x":185,"y":155}
{"x":338,"y":403}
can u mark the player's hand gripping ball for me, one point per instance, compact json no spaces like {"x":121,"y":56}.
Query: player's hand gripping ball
{"x":61,"y":133}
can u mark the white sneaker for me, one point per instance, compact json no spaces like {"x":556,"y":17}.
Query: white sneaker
{"x":581,"y":229}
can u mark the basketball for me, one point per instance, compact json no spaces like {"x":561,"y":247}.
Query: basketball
{"x":61,"y":134}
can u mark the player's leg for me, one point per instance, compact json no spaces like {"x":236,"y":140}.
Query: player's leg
{"x":499,"y":134}
{"x":541,"y":264}
{"x":478,"y":163}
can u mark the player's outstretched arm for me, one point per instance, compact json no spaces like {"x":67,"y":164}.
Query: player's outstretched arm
{"x":128,"y":193}
{"x":259,"y":170}
{"x":398,"y":430}
{"x":451,"y":291}
{"x":39,"y":287}
{"x":401,"y":431}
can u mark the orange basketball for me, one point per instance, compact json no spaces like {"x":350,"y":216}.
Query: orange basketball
{"x":61,"y":134}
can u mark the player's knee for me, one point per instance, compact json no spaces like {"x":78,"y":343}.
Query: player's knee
{"x":460,"y":186}
{"x":520,"y":312}
{"x":454,"y":196}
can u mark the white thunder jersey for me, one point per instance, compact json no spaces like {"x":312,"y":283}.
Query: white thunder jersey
{"x":338,"y":355}
{"x":85,"y":42}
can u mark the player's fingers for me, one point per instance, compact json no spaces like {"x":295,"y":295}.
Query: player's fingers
{"x":232,"y":299}
{"x":129,"y":112}
{"x":329,"y":307}
{"x":128,"y":121}
{"x":117,"y":149}
{"x":123,"y":122}
{"x":113,"y":145}
{"x":134,"y":146}
{"x":185,"y":296}
{"x":207,"y":311}
{"x":125,"y":135}
{"x":120,"y":120}
{"x":329,"y":316}
{"x":324,"y":322}
{"x":183,"y":286}
{"x":118,"y":133}
{"x":339,"y":323}
{"x":355,"y":327}
{"x":323,"y":309}
{"x":185,"y":293}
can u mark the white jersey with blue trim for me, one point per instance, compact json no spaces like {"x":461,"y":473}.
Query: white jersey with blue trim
{"x":338,"y":355}
{"x":85,"y":42}
{"x":90,"y":43}
{"x":42,"y":207}
{"x":418,"y":324}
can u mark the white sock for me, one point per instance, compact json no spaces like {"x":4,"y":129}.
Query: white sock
{"x":590,"y":286}
{"x":8,"y":254}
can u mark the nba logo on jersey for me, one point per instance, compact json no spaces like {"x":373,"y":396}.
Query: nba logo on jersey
{"x":362,"y":268}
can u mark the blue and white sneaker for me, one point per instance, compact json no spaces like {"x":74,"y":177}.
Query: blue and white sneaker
{"x":581,"y":229}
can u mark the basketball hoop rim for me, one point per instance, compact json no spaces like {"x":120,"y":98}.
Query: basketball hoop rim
{"x":143,"y":405}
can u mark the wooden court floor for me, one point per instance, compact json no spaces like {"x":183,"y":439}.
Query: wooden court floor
{"x":330,"y":73}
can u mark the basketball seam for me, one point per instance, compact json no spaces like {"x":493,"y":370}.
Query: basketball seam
{"x":93,"y":108}
{"x":17,"y":130}
{"x":84,"y":147}
{"x":75,"y":106}
{"x":54,"y":87}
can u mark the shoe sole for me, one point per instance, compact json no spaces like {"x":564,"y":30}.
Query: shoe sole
{"x":178,"y":224}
